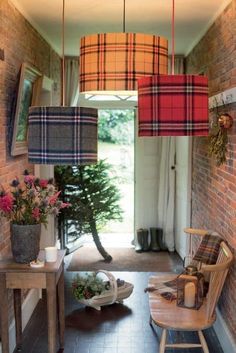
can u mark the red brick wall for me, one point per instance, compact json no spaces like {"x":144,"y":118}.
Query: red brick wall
{"x":214,"y":188}
{"x":21,"y":43}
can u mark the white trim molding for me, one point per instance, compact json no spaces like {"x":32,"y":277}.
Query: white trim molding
{"x":224,"y":336}
{"x":28,"y":307}
{"x":226,"y":97}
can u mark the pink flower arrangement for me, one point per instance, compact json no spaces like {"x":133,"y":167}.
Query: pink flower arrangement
{"x":30,"y":202}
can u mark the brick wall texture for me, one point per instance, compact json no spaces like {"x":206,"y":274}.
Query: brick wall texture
{"x":214,"y":188}
{"x":21,"y":43}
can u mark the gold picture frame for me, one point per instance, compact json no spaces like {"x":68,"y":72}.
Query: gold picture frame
{"x":27,"y":95}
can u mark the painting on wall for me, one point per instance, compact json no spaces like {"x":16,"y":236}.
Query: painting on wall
{"x":27,"y":95}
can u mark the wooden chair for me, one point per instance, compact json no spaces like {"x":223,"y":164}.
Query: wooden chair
{"x":169,"y":316}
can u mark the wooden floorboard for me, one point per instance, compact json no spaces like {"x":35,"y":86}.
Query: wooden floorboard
{"x":116,"y":329}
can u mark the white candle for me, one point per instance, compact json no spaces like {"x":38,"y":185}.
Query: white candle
{"x":189,"y":295}
{"x":51,"y":254}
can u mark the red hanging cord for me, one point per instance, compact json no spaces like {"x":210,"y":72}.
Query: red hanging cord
{"x":173,"y":39}
{"x":63,"y":53}
{"x":124,"y":17}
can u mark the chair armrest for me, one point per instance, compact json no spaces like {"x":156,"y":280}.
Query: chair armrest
{"x":196,"y":231}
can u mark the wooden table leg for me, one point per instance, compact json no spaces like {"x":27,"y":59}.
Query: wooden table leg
{"x":61,"y":307}
{"x":51,"y":309}
{"x":18,"y":317}
{"x":4,"y":314}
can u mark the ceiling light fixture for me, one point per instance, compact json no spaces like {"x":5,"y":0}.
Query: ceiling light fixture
{"x":173,"y":105}
{"x":62,"y":135}
{"x":111,"y":63}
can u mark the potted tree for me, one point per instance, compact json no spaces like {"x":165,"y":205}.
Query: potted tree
{"x":93,"y":196}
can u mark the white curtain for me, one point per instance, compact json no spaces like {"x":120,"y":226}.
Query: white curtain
{"x":166,"y":189}
{"x":179,"y":64}
{"x":71,"y":81}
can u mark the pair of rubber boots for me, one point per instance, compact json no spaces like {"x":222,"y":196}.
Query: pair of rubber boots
{"x":156,"y":240}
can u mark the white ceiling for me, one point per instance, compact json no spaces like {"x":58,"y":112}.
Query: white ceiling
{"x":83,"y":17}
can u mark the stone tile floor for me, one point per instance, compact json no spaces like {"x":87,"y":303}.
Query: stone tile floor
{"x":119,"y":328}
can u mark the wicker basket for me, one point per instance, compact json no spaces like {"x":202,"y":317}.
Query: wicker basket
{"x":114,"y":294}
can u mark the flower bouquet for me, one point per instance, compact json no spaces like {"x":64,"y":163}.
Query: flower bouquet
{"x":27,"y":206}
{"x":30,"y":202}
{"x":93,"y":291}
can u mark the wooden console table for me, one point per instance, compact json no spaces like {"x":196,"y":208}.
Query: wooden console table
{"x":21,"y":276}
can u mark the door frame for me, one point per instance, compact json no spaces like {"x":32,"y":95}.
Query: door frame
{"x":133,"y":105}
{"x":188,"y":198}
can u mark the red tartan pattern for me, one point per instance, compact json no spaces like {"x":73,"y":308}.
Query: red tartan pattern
{"x":114,"y":61}
{"x":173,"y":105}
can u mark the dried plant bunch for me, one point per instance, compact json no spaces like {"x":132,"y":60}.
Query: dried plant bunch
{"x":218,"y":141}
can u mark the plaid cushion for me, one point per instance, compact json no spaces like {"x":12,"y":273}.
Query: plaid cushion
{"x":62,"y":135}
{"x":173,"y":105}
{"x":114,"y":61}
{"x":208,"y":250}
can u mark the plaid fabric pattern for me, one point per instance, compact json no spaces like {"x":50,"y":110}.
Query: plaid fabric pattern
{"x":62,"y":135}
{"x":173,"y":105}
{"x":114,"y":61}
{"x":167,"y":290}
{"x":208,"y":250}
{"x":172,"y":284}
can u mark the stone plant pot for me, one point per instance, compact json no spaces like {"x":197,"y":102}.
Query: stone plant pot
{"x":25,"y":240}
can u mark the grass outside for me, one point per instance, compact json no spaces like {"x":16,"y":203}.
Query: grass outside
{"x":121,"y":157}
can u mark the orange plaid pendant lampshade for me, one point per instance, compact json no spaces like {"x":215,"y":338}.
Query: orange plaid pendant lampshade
{"x":111,"y":63}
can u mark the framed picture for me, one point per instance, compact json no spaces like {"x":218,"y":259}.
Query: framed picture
{"x":27,"y":95}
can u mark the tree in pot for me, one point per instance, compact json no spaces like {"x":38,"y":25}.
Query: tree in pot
{"x":93,"y":196}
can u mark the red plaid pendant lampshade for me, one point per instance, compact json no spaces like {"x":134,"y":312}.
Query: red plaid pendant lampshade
{"x":112,"y":62}
{"x":62,"y":135}
{"x":173,"y":105}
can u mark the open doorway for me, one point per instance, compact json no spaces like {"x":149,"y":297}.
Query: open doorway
{"x":146,"y":159}
{"x":116,"y":146}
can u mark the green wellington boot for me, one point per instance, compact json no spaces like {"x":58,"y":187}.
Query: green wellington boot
{"x":154,"y":245}
{"x":145,"y":240}
{"x":142,"y":240}
{"x":139,"y":241}
{"x":161,"y":240}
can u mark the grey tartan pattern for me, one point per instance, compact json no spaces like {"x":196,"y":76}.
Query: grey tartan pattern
{"x":62,"y":135}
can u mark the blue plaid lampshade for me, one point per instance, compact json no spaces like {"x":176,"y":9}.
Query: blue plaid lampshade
{"x":62,"y":135}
